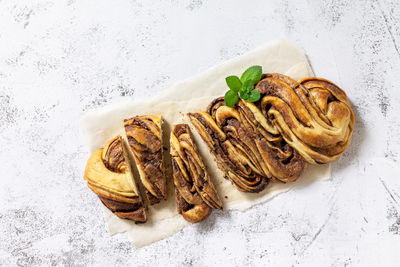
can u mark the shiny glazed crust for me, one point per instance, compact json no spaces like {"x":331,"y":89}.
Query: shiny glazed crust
{"x":313,"y":115}
{"x":144,"y":135}
{"x":195,"y":193}
{"x":108,"y":175}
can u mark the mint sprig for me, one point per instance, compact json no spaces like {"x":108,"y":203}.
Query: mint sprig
{"x":243,"y":87}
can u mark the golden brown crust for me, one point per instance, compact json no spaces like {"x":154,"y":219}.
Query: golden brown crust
{"x":144,"y":135}
{"x":191,"y":213}
{"x":109,"y":176}
{"x":313,"y":115}
{"x":236,"y":156}
{"x":279,"y":160}
{"x":195,"y":193}
{"x":237,"y":164}
{"x":248,"y":150}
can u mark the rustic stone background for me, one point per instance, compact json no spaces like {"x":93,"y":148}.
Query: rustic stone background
{"x":61,"y":58}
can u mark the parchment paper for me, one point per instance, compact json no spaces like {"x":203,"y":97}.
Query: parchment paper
{"x":191,"y":95}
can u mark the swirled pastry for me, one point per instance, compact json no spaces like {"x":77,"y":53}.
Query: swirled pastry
{"x":108,"y":174}
{"x":313,"y":115}
{"x":247,"y":154}
{"x":144,"y":135}
{"x":278,"y":161}
{"x":196,"y":196}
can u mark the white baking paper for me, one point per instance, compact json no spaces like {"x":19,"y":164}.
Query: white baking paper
{"x":191,"y":95}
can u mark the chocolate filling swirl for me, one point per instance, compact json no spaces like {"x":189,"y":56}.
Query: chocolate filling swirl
{"x":145,"y":140}
{"x":246,"y":150}
{"x":109,"y":176}
{"x":195,"y":193}
{"x":313,"y":115}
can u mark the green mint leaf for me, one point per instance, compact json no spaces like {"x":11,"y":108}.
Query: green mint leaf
{"x":242,"y":90}
{"x":231,"y":97}
{"x":234,"y":83}
{"x":253,"y":73}
{"x":248,"y":86}
{"x":245,"y":95}
{"x":253,"y":96}
{"x":243,"y":87}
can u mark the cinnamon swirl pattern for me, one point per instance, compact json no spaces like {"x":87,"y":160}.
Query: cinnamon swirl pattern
{"x":313,"y":115}
{"x":245,"y":151}
{"x":196,"y":196}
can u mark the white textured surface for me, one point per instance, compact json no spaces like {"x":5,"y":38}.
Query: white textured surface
{"x":60,"y":58}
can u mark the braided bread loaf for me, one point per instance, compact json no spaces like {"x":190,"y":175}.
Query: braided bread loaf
{"x":273,"y":139}
{"x":313,"y":115}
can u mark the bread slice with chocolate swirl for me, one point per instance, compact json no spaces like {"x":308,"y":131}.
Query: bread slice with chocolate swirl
{"x":108,"y":174}
{"x":196,"y":195}
{"x":144,"y":135}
